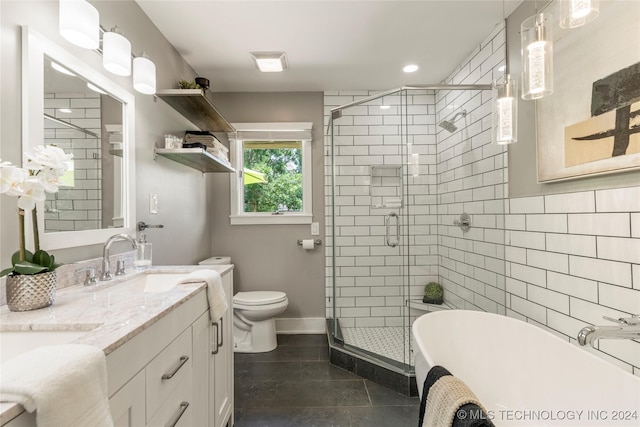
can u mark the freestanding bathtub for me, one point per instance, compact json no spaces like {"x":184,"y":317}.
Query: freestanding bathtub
{"x":524,"y":375}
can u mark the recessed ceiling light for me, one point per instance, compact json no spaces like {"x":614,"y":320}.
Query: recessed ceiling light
{"x":411,"y":68}
{"x":270,"y":62}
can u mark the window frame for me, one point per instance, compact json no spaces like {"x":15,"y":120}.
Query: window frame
{"x":269,"y":132}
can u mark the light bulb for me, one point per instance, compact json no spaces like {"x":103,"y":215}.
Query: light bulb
{"x":79,"y":23}
{"x":536,"y":67}
{"x":116,"y":53}
{"x":505,"y":111}
{"x":575,"y":13}
{"x":505,"y":121}
{"x":537,"y":56}
{"x":144,"y":75}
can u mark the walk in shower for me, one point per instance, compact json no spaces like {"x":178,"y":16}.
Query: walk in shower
{"x":400,"y":167}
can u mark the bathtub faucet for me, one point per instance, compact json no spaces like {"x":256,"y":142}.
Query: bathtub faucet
{"x":627,"y":328}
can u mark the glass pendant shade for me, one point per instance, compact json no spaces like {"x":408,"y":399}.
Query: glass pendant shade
{"x":80,"y":23}
{"x":537,"y":56}
{"x":144,"y":75}
{"x":116,"y":53}
{"x":505,"y":111}
{"x":574,"y":13}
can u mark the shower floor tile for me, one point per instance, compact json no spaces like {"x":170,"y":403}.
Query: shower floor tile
{"x":388,"y":341}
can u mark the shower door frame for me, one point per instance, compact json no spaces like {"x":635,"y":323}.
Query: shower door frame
{"x":336,"y":113}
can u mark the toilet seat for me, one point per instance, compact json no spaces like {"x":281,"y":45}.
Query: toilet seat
{"x":259,"y":298}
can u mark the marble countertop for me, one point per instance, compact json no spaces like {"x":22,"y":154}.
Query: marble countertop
{"x":110,"y":312}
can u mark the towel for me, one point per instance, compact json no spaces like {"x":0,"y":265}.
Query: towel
{"x":66,"y":384}
{"x":215,"y":292}
{"x":448,"y":402}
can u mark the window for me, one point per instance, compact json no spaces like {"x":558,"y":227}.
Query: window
{"x":272,"y":184}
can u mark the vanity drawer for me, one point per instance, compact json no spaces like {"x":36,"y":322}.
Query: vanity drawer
{"x":177,"y":409}
{"x":168,"y":370}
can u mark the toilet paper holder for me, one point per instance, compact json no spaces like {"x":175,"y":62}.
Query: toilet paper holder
{"x":316,"y":242}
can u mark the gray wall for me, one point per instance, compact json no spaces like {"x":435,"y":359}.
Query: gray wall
{"x":523,"y":178}
{"x":181,"y":191}
{"x":267,"y":257}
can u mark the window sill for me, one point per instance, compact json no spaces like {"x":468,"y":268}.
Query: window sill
{"x":265,"y":219}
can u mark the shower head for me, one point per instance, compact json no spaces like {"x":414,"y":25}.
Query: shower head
{"x":448,"y":125}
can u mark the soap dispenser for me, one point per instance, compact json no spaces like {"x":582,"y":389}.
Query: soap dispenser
{"x":143,"y":253}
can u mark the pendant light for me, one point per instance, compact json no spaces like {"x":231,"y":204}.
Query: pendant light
{"x":575,"y":13}
{"x":144,"y":75}
{"x":537,"y":56}
{"x":505,"y":101}
{"x":79,"y":23}
{"x":505,"y":110}
{"x":116,"y":53}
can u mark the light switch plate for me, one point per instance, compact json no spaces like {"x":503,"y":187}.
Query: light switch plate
{"x":315,"y":228}
{"x":153,"y":203}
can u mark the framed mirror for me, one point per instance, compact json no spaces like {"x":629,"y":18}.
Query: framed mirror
{"x":67,"y":103}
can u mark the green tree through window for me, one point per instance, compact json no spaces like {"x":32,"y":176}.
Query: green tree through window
{"x":281,"y":164}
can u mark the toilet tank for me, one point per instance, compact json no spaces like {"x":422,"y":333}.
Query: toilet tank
{"x":216,"y":260}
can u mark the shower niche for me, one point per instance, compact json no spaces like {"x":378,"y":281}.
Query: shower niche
{"x":386,"y":186}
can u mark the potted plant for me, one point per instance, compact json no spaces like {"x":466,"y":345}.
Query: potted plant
{"x":433,"y":293}
{"x":31,"y":278}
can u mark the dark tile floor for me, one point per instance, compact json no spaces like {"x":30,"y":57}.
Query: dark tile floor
{"x":294,"y":386}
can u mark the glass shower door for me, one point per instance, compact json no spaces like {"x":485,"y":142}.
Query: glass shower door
{"x":370,"y":228}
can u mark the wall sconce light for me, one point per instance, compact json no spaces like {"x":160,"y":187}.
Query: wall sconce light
{"x":144,"y":75}
{"x":116,"y":52}
{"x":384,"y":106}
{"x":505,"y":110}
{"x":537,"y":56}
{"x":575,"y":13}
{"x":79,"y":23}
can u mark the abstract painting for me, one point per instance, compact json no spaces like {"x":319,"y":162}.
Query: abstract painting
{"x":591,"y":123}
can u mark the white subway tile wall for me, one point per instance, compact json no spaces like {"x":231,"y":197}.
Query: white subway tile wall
{"x":471,"y":176}
{"x":78,"y":207}
{"x":581,"y":263}
{"x":559,"y":261}
{"x":373,"y":180}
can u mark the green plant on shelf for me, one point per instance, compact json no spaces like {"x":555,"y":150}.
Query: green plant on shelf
{"x":433,"y":293}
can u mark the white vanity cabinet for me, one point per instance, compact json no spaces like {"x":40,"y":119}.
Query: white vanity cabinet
{"x":196,"y":361}
{"x":173,"y":370}
{"x":198,"y":356}
{"x":153,"y":371}
{"x":221,"y":363}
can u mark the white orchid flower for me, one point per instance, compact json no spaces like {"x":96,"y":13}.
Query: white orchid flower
{"x":48,"y":156}
{"x":11,"y":179}
{"x":33,"y":192}
{"x":50,"y":180}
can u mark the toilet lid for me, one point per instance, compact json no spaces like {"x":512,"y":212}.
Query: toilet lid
{"x":259,"y":297}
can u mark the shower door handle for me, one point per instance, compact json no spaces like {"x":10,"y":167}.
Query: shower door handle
{"x":387,"y":224}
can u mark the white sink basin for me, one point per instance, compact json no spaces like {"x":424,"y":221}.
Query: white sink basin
{"x":153,"y":283}
{"x":13,"y":343}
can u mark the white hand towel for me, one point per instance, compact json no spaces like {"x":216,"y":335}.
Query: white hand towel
{"x":215,"y":292}
{"x":65,"y":384}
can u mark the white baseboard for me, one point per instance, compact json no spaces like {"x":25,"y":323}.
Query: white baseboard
{"x":305,"y":325}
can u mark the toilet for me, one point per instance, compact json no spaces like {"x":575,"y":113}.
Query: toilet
{"x":254,"y":327}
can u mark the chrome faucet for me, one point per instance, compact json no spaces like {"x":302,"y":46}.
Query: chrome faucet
{"x":628,"y":328}
{"x":106,"y":265}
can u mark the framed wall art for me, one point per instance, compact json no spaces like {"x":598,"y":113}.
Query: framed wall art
{"x":591,"y":123}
